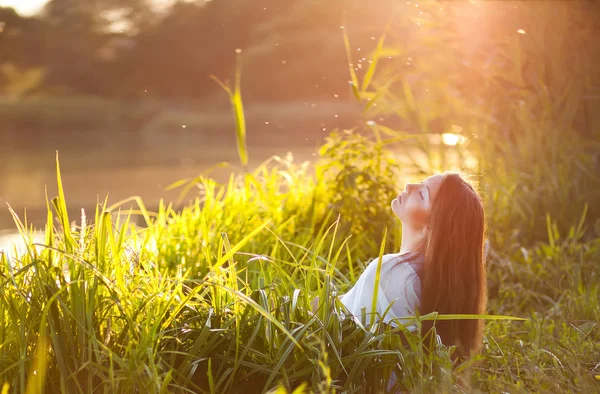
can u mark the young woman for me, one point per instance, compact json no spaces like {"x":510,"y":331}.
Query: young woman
{"x":440,"y":266}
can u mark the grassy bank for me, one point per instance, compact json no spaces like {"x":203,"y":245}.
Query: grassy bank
{"x":216,"y":297}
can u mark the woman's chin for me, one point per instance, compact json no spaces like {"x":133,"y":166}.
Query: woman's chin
{"x":396,"y":208}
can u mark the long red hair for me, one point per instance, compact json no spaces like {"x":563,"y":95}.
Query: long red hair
{"x":453,"y":275}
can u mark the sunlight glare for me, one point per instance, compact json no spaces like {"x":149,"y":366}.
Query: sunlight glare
{"x":24,"y":7}
{"x":452,"y":139}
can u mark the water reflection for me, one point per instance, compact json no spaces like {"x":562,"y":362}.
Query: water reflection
{"x":26,"y":180}
{"x":12,"y":244}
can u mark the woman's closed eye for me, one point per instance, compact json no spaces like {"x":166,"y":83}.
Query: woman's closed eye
{"x":421,"y":194}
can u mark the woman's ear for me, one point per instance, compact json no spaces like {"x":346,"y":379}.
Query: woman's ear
{"x":425,"y":230}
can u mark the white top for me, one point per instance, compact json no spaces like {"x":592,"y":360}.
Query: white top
{"x":399,"y":286}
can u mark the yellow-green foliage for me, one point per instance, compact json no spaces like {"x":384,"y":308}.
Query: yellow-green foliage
{"x":216,"y":298}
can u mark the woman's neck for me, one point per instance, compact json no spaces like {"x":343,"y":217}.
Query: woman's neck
{"x":411,"y":240}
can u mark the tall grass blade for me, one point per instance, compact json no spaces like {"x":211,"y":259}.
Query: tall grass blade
{"x":377,"y":279}
{"x":353,"y":77}
{"x":235,"y":98}
{"x":37,"y":377}
{"x":368,"y":77}
{"x":61,"y":210}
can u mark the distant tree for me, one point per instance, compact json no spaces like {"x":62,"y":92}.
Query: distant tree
{"x":19,"y":82}
{"x":78,"y":31}
{"x":175,"y":57}
{"x":20,"y":38}
{"x":99,"y":15}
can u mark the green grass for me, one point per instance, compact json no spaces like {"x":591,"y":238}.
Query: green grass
{"x":216,"y":297}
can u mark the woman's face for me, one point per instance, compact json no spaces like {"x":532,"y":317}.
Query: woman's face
{"x":413,"y":205}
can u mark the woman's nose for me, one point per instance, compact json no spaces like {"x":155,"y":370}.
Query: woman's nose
{"x":410,"y":186}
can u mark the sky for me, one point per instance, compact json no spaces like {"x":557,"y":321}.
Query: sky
{"x":24,"y":7}
{"x":30,"y":7}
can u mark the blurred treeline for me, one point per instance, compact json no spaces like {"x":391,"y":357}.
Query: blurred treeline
{"x":293,"y":49}
{"x":132,"y":49}
{"x":442,"y":63}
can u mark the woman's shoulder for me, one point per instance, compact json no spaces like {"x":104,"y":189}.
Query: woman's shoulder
{"x":388,"y":256}
{"x":402,"y":278}
{"x":396,"y":264}
{"x":403,"y":268}
{"x":384,"y":259}
{"x":404,"y":258}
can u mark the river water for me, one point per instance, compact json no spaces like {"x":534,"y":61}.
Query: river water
{"x":25,"y":187}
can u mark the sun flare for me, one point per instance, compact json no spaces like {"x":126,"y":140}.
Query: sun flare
{"x":452,"y":139}
{"x":24,"y":7}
